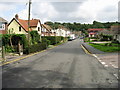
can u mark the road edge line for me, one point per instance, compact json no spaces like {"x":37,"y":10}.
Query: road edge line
{"x":32,"y":54}
{"x":85,"y":49}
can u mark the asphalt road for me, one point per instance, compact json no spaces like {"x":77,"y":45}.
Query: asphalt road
{"x":66,"y":66}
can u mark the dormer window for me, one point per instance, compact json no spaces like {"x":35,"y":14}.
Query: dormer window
{"x":19,"y":28}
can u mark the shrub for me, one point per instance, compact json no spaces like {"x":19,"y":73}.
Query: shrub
{"x":35,"y":37}
{"x":35,"y":48}
{"x":15,"y":38}
{"x":53,"y":39}
{"x":106,"y":38}
{"x":86,"y":39}
{"x":115,"y":41}
{"x":44,"y":40}
{"x":9,"y":49}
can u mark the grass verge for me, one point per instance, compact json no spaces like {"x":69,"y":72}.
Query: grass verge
{"x":104,"y":48}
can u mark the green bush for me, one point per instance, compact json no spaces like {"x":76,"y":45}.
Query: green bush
{"x":44,"y":40}
{"x":15,"y":38}
{"x":106,"y":38}
{"x":9,"y":49}
{"x":53,"y":39}
{"x":35,"y":37}
{"x":86,"y":39}
{"x":115,"y":41}
{"x":35,"y":48}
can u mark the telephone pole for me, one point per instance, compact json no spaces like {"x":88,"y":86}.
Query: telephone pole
{"x":29,"y":26}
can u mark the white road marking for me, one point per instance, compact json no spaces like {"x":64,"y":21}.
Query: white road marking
{"x":113,"y":65}
{"x":116,"y":76}
{"x":103,"y":63}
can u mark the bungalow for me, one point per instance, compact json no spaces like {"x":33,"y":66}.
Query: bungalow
{"x":20,"y":26}
{"x":94,"y":32}
{"x":3,"y":26}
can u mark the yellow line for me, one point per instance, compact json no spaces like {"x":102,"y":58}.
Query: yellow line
{"x":25,"y":57}
{"x":86,"y":51}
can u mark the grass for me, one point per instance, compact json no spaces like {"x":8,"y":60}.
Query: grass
{"x":104,"y":48}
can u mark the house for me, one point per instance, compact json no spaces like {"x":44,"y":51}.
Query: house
{"x":47,"y":30}
{"x":94,"y":32}
{"x":20,"y":26}
{"x":3,"y":26}
{"x":62,"y":31}
{"x":115,"y":29}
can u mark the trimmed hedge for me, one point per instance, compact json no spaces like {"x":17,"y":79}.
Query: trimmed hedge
{"x":54,"y":39}
{"x":44,"y":40}
{"x":35,"y":48}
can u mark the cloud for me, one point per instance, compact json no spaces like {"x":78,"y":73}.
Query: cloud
{"x":83,"y":11}
{"x":102,"y":10}
{"x":44,"y":11}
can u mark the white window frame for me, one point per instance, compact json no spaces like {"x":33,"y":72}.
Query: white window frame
{"x":3,"y":27}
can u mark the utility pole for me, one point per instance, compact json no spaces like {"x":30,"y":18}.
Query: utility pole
{"x":29,"y":26}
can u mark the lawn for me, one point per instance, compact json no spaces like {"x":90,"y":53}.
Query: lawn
{"x":104,"y":48}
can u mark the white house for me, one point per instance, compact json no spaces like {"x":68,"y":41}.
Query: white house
{"x":61,"y":31}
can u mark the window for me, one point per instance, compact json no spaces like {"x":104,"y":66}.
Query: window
{"x":38,"y":28}
{"x":19,"y":28}
{"x":2,"y":26}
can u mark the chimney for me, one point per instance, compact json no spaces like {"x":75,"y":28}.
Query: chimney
{"x":16,"y":16}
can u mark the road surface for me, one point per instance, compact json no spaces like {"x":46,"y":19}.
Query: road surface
{"x":66,"y":66}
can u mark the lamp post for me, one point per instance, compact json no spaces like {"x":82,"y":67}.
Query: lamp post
{"x":29,"y":26}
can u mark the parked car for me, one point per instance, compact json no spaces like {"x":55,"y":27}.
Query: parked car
{"x":70,"y":39}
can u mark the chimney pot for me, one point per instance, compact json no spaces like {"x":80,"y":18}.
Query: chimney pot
{"x":16,"y":16}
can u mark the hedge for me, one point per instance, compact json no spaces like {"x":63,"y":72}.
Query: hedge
{"x":35,"y":48}
{"x":44,"y":40}
{"x":106,"y":37}
{"x":35,"y":37}
{"x":54,"y":39}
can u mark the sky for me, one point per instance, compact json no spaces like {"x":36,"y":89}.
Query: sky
{"x":81,"y":11}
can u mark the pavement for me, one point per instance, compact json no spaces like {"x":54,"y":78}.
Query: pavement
{"x":107,"y":59}
{"x":65,"y":66}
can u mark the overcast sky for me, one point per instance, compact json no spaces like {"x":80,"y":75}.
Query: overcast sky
{"x":82,"y":11}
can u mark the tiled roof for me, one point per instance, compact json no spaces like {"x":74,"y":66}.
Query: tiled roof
{"x":2,"y":20}
{"x":33,"y":22}
{"x":24,"y":23}
{"x":92,"y":33}
{"x":47,"y":27}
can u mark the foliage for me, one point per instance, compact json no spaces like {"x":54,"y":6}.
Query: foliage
{"x":35,"y":37}
{"x":86,"y":39}
{"x":81,"y":27}
{"x":44,"y":40}
{"x":115,"y":41}
{"x":35,"y":48}
{"x":53,"y":39}
{"x":15,"y":39}
{"x":106,"y":37}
